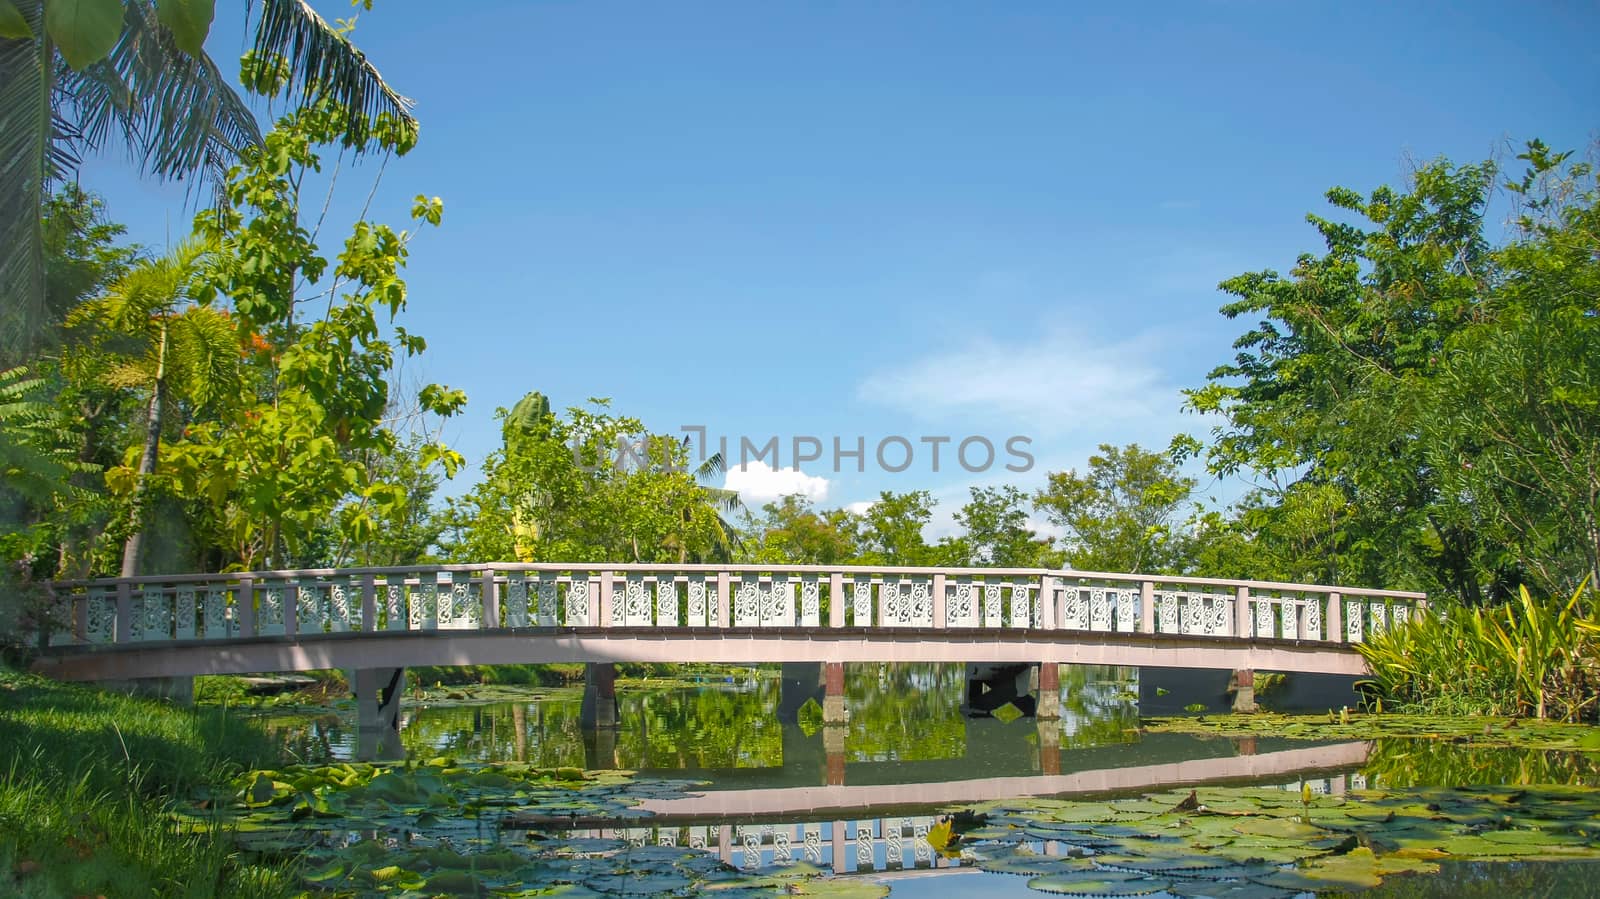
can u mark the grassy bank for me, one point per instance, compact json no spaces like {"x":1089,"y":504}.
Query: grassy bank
{"x":86,"y":777}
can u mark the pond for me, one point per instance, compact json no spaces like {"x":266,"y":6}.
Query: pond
{"x":738,"y":774}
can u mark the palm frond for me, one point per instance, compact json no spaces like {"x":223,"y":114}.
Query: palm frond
{"x":205,"y":355}
{"x":723,"y":500}
{"x":35,"y":457}
{"x":323,"y":63}
{"x":714,"y":466}
{"x":26,"y":126}
{"x":178,"y":113}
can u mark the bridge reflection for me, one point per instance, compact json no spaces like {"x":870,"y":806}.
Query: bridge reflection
{"x":884,"y":828}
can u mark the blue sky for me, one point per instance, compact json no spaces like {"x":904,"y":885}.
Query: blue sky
{"x":915,"y":219}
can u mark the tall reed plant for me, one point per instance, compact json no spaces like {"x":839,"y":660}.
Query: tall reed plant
{"x":1532,"y":657}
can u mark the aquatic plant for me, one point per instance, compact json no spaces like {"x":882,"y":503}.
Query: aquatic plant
{"x":1270,"y":843}
{"x":1534,"y":657}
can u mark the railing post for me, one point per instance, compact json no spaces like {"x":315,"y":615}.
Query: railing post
{"x":938,"y":601}
{"x":722,"y":599}
{"x":1335,"y":617}
{"x":78,"y":605}
{"x":1047,"y":603}
{"x":291,"y":608}
{"x":369,"y":603}
{"x":1241,"y":612}
{"x":836,"y":600}
{"x":124,"y":631}
{"x":1147,"y":607}
{"x":244,"y":608}
{"x":491,"y":598}
{"x":602,"y":608}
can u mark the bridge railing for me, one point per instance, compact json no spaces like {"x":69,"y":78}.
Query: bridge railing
{"x":604,"y":595}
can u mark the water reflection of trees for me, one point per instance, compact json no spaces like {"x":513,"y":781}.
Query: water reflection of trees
{"x":1099,"y":705}
{"x":546,"y":732}
{"x":898,"y":712}
{"x":704,"y":728}
{"x":680,"y":728}
{"x":1422,"y":763}
{"x":905,"y":712}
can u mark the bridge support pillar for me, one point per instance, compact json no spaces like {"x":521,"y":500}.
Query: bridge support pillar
{"x":1049,"y":706}
{"x":599,"y":695}
{"x":833,"y":710}
{"x":1049,"y":745}
{"x":600,"y":748}
{"x":1243,"y":688}
{"x":833,"y":746}
{"x":377,"y":693}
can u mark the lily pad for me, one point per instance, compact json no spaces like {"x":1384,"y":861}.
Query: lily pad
{"x":1356,"y":870}
{"x":1097,"y":883}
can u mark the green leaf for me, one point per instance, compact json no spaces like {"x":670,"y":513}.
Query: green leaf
{"x":12,"y":24}
{"x":189,"y":21}
{"x":1097,"y":883}
{"x":84,"y":30}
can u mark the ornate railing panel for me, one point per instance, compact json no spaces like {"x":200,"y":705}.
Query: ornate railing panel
{"x":504,"y":595}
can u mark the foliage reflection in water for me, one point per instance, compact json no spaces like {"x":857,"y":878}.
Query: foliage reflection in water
{"x":896,"y":713}
{"x":905,"y":726}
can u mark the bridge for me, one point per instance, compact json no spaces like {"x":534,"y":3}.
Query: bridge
{"x":378,"y":621}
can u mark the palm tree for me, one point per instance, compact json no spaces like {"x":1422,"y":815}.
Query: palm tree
{"x":79,"y":75}
{"x":167,"y":345}
{"x":723,"y":503}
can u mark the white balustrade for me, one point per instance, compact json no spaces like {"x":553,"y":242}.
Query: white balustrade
{"x":458,"y":598}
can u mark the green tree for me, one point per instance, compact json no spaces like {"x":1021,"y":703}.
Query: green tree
{"x":163,"y":346}
{"x":79,"y":75}
{"x":1122,"y":514}
{"x":996,"y":531}
{"x":36,"y":493}
{"x":1299,"y":534}
{"x":1440,"y":384}
{"x":1510,"y":411}
{"x":793,"y":531}
{"x":589,"y":486}
{"x":296,"y":450}
{"x":889,"y":532}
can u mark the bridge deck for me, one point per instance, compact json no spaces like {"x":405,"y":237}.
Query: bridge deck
{"x":313,"y":652}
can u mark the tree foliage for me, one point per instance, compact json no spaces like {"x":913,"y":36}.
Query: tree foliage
{"x":1417,"y":402}
{"x":589,"y":486}
{"x":1122,"y":514}
{"x":77,"y":76}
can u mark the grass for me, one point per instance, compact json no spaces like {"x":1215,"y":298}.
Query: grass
{"x":86,"y":778}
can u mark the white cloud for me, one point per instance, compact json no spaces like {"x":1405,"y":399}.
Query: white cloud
{"x":1058,"y":381}
{"x":861,"y":507}
{"x":757,"y":483}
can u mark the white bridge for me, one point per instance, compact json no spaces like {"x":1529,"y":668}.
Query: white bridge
{"x":502,"y":613}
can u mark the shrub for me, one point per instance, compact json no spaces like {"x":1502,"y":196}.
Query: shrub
{"x":1530,"y":657}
